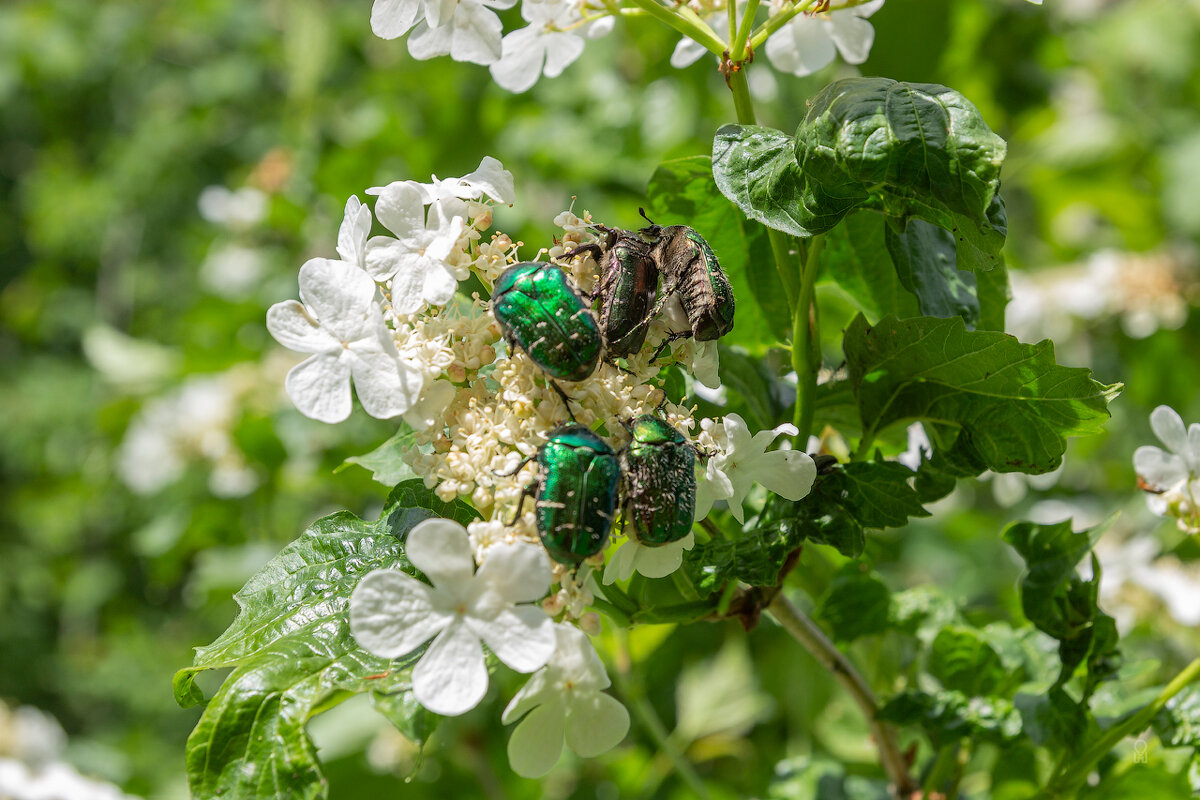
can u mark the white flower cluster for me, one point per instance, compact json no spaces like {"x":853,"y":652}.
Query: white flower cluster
{"x":469,"y":30}
{"x":1171,"y":477}
{"x":387,"y":316}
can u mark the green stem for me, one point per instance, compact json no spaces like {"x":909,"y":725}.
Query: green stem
{"x":814,"y":640}
{"x":1068,"y":781}
{"x":684,"y":20}
{"x":764,"y":31}
{"x":737,"y":50}
{"x":806,"y":342}
{"x":630,"y":685}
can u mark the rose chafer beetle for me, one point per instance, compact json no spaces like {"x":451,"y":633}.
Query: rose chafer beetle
{"x":628,"y":286}
{"x":660,"y":481}
{"x":689,"y":266}
{"x":575,"y":496}
{"x":540,"y":312}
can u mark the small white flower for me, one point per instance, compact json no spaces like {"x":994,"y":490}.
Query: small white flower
{"x":564,"y":700}
{"x":352,"y":236}
{"x":807,"y":42}
{"x":543,"y":47}
{"x":471,"y":33}
{"x":455,"y":195}
{"x":1172,"y":476}
{"x":742,"y":460}
{"x":391,"y":19}
{"x":392,"y":614}
{"x":340,"y":323}
{"x":415,"y":261}
{"x":653,"y":562}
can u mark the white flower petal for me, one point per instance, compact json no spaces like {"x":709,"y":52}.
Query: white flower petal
{"x":519,"y":573}
{"x":706,"y":364}
{"x":426,"y":42}
{"x":596,"y":723}
{"x":686,"y":53}
{"x":537,"y":690}
{"x":536,"y":744}
{"x":802,"y":46}
{"x":787,"y":473}
{"x":293,"y":328}
{"x":576,"y":661}
{"x":440,"y":283}
{"x":401,"y":210}
{"x":1168,"y":427}
{"x":341,"y":295}
{"x":520,"y":636}
{"x":391,"y":19}
{"x":561,"y":50}
{"x":392,"y":614}
{"x":476,"y":34}
{"x":661,"y":561}
{"x":440,"y":548}
{"x":430,"y":408}
{"x":852,"y":34}
{"x":493,"y":180}
{"x":451,"y":678}
{"x":867,"y":9}
{"x":386,"y":386}
{"x":383,"y":256}
{"x":319,"y":387}
{"x":408,"y":284}
{"x":439,"y":12}
{"x":521,"y":59}
{"x":620,"y":566}
{"x":1159,"y":469}
{"x":352,"y":236}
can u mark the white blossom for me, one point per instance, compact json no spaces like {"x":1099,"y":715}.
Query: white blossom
{"x":564,"y":700}
{"x":391,"y":19}
{"x":653,"y":562}
{"x":340,"y":323}
{"x":808,"y":42}
{"x":352,"y":236}
{"x":414,"y":261}
{"x":455,"y":196}
{"x":741,"y":460}
{"x":1172,"y":476}
{"x":470,"y":33}
{"x":392,"y":614}
{"x":542,"y":47}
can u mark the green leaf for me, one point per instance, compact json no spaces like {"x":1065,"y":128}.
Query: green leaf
{"x":949,"y":716}
{"x":1052,"y":719}
{"x":1177,"y":723}
{"x":755,"y":558}
{"x":812,"y":778}
{"x":406,"y":714}
{"x":855,"y":257}
{"x":293,"y":655}
{"x":1060,"y":603}
{"x":386,"y":463}
{"x":962,"y":660}
{"x":682,"y":191}
{"x":875,"y":493}
{"x":1013,"y":405}
{"x":925,"y":262}
{"x":751,"y":380}
{"x":856,"y":604}
{"x":905,"y":149}
{"x":992,"y":288}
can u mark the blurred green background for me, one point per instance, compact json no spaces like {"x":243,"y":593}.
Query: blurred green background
{"x":165,"y":168}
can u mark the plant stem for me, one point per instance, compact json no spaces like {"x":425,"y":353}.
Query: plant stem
{"x":1068,"y":780}
{"x":737,"y":50}
{"x":806,"y":342}
{"x":630,"y":685}
{"x":684,"y":20}
{"x":814,"y":640}
{"x":776,"y":22}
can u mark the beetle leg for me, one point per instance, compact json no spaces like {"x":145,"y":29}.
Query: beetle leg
{"x":666,"y":343}
{"x":563,"y":396}
{"x":520,"y":467}
{"x":528,"y":491}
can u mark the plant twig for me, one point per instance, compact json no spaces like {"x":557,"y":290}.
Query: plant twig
{"x":684,"y":20}
{"x":814,"y":640}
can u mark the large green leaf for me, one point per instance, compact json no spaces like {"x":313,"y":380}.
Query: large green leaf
{"x":909,"y":150}
{"x":963,"y":660}
{"x":386,"y":463}
{"x":1053,"y":718}
{"x":856,"y":604}
{"x":682,"y":192}
{"x":855,"y":257}
{"x":924,"y":256}
{"x":1060,"y":603}
{"x":1013,"y":406}
{"x":293,"y":656}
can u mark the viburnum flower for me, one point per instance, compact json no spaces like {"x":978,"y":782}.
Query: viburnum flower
{"x":415,"y":261}
{"x":653,"y":562}
{"x":469,"y":32}
{"x":808,"y":42}
{"x":352,"y":236}
{"x":339,"y":322}
{"x":543,"y":47}
{"x":491,"y":179}
{"x":1172,"y":477}
{"x":392,"y":614}
{"x":741,"y":460}
{"x":565,"y":699}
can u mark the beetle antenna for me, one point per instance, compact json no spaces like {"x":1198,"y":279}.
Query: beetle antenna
{"x":642,"y":211}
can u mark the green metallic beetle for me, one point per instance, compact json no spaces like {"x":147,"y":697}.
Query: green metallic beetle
{"x":628,"y":286}
{"x":690,"y":267}
{"x":660,"y":481}
{"x":575,"y":495}
{"x":540,"y":312}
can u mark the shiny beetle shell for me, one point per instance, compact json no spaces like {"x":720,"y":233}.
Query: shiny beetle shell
{"x":540,"y":312}
{"x":628,"y":286}
{"x":577,"y":493}
{"x":660,"y":481}
{"x":690,"y":267}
